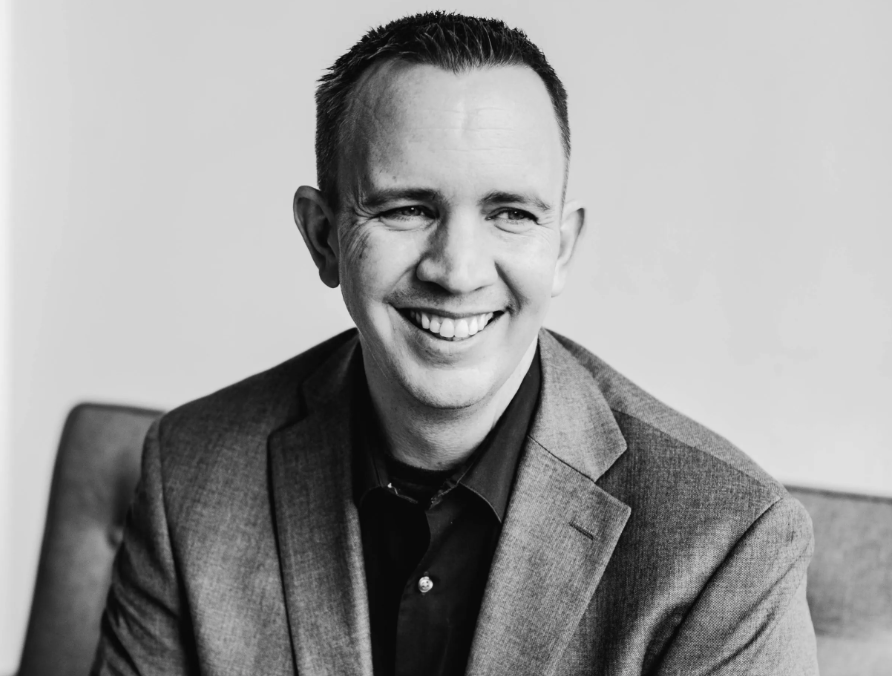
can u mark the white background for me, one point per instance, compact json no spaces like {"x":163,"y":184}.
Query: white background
{"x":736,"y":158}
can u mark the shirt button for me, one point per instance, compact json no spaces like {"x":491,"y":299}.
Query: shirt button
{"x":425,"y":584}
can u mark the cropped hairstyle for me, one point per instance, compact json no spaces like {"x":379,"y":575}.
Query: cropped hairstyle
{"x":446,"y":40}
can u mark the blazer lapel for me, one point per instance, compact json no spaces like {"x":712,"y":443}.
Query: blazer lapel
{"x":317,"y":528}
{"x":560,"y":528}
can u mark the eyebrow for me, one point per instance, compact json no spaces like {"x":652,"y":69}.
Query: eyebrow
{"x":525,"y":199}
{"x":378,"y":198}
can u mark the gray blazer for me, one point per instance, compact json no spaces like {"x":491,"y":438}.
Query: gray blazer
{"x":635,"y":541}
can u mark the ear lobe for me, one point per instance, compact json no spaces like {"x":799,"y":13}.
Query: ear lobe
{"x":572,"y":226}
{"x":316,"y":223}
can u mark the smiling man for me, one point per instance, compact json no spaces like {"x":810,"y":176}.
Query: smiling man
{"x":444,"y":222}
{"x":450,"y":488}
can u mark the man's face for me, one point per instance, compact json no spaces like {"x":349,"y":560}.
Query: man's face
{"x":451,"y":235}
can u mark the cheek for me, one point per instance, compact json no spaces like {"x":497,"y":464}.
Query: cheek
{"x":373,"y":261}
{"x":529,"y":270}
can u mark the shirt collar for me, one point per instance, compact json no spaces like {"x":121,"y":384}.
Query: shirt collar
{"x":490,"y":471}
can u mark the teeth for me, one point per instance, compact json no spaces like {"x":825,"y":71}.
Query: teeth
{"x":455,"y":329}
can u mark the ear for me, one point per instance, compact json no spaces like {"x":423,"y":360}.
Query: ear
{"x":572,"y":225}
{"x":316,"y":223}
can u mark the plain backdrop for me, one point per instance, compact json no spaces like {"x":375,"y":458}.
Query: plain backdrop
{"x":735,"y":157}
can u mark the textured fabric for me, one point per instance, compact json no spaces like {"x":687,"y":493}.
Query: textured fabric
{"x":635,"y":541}
{"x":444,"y":526}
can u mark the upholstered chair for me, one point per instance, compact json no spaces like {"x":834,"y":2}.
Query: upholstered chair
{"x":95,"y":474}
{"x":850,"y":582}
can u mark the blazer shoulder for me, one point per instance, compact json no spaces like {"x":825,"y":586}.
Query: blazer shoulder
{"x":268,"y":394}
{"x":650,"y":426}
{"x":241,"y":416}
{"x":212,"y":452}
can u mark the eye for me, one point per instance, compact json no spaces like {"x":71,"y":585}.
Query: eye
{"x":405,"y":212}
{"x":513,"y":217}
{"x":407,"y":216}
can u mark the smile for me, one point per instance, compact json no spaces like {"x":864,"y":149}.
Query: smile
{"x":450,"y":328}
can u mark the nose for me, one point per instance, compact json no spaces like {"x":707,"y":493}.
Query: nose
{"x":458,"y":256}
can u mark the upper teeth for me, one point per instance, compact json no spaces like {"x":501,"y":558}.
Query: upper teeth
{"x":447,"y":327}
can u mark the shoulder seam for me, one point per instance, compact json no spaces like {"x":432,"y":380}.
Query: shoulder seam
{"x":725,"y":463}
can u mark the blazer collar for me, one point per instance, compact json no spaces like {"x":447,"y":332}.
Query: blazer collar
{"x":558,"y":535}
{"x":560,"y":530}
{"x":574,"y":420}
{"x":317,"y":527}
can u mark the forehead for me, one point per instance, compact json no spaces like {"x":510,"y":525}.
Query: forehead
{"x":421,"y":123}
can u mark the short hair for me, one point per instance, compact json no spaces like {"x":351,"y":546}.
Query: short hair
{"x":449,"y":41}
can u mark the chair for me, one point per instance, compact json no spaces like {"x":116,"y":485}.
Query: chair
{"x":850,"y":581}
{"x":96,"y":471}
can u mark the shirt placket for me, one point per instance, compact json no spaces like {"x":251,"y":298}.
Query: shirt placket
{"x":423,"y":629}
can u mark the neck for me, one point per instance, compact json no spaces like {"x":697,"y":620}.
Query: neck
{"x":439,"y":438}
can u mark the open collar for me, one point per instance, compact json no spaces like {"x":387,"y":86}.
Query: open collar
{"x":559,"y":532}
{"x":489,"y":473}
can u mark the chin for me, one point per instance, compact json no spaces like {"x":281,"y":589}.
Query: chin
{"x":449,"y":388}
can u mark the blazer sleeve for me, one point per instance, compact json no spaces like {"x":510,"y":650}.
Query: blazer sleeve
{"x":752,"y":618}
{"x":145,"y":628}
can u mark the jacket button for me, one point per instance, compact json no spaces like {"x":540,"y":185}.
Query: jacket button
{"x":425,"y":584}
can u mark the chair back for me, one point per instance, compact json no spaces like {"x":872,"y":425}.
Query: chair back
{"x":97,"y":467}
{"x":850,"y":581}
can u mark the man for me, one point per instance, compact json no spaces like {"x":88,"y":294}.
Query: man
{"x":450,"y":488}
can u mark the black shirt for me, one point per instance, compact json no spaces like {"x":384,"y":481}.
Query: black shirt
{"x":428,"y":538}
